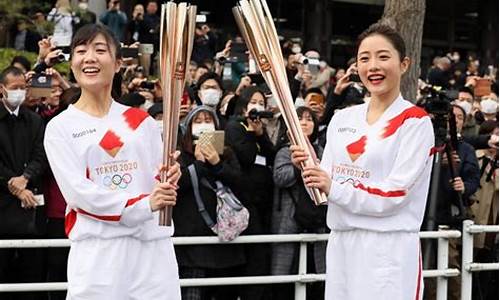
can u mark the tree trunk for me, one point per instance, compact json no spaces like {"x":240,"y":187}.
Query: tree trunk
{"x":407,"y":16}
{"x":318,"y":27}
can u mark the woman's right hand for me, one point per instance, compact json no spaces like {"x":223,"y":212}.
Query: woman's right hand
{"x":344,"y":81}
{"x":164,"y":194}
{"x":298,"y":155}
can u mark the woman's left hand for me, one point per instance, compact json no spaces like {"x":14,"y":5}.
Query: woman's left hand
{"x":210,"y":154}
{"x":315,"y":177}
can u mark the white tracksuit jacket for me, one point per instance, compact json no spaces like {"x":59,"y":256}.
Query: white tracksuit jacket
{"x":380,"y":179}
{"x":105,"y":168}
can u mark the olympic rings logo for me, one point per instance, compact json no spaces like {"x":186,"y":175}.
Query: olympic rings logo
{"x":117,"y":181}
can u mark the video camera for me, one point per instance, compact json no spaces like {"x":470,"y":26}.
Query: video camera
{"x":256,"y":115}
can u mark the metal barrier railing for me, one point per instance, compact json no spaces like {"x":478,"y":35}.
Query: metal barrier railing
{"x":468,"y":264}
{"x":300,"y":279}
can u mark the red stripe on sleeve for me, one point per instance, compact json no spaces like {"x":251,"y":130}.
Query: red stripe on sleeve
{"x":396,"y":122}
{"x":379,"y":192}
{"x":136,"y":199}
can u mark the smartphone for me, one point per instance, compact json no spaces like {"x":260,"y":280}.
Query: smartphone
{"x":214,"y":138}
{"x":201,"y":18}
{"x":257,"y":78}
{"x":41,"y":85}
{"x":146,"y":48}
{"x":185,"y":98}
{"x":130,"y":52}
{"x":238,"y":53}
{"x":354,"y":78}
{"x":40,"y":200}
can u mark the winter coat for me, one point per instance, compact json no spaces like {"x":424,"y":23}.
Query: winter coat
{"x":485,"y":201}
{"x":287,"y":180}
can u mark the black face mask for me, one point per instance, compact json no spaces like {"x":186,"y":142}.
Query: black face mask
{"x":479,"y":117}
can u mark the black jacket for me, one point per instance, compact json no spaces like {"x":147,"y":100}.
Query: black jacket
{"x":21,"y":152}
{"x":188,"y":220}
{"x":468,"y":170}
{"x":258,"y":180}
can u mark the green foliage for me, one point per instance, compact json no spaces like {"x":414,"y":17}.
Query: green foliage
{"x":6,"y":55}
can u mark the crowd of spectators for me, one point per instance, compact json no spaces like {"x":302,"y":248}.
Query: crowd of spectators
{"x":224,"y":93}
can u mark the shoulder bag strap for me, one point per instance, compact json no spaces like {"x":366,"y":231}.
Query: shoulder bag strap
{"x":201,"y":207}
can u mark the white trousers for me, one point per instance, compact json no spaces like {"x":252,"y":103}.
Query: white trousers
{"x":123,"y":268}
{"x":363,"y":265}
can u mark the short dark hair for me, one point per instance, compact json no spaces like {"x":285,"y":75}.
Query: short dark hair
{"x":10,"y":70}
{"x":22,"y":60}
{"x":466,"y":90}
{"x":207,"y":76}
{"x":391,"y":34}
{"x":89,"y":32}
{"x":300,"y":111}
{"x":314,"y":90}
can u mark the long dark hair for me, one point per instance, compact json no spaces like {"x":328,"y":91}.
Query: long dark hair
{"x":300,"y":112}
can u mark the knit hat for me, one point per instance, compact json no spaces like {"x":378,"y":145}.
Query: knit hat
{"x":196,"y":110}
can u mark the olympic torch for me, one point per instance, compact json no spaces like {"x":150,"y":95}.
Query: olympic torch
{"x":257,"y":28}
{"x":177,"y":25}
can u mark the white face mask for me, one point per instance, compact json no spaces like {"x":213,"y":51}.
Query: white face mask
{"x":465,"y":105}
{"x":257,"y":107}
{"x":83,"y":5}
{"x":210,"y":97}
{"x":15,"y":97}
{"x":198,"y":128}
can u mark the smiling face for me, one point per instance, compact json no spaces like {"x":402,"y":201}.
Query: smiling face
{"x":380,"y":66}
{"x":94,"y":64}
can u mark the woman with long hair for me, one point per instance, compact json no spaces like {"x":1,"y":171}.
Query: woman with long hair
{"x":106,"y":158}
{"x":376,"y":171}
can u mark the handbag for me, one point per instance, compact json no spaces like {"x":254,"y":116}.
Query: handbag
{"x":232,"y":216}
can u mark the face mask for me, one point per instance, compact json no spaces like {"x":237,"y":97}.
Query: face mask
{"x":198,"y":128}
{"x":83,"y":5}
{"x":257,"y":107}
{"x":15,"y":97}
{"x":210,"y":97}
{"x":489,"y":106}
{"x":465,"y":105}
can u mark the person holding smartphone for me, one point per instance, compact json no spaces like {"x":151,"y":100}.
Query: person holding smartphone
{"x":105,"y":158}
{"x":375,"y":171}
